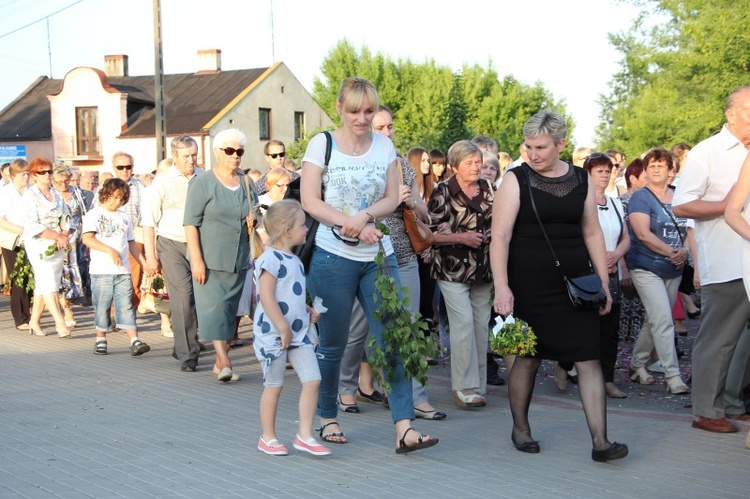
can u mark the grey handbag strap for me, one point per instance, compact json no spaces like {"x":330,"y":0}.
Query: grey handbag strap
{"x":664,"y":207}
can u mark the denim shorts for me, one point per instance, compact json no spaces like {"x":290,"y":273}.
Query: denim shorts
{"x":106,"y":288}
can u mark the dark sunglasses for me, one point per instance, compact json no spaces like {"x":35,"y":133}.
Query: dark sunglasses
{"x":344,"y":239}
{"x":277,"y":154}
{"x":44,"y":172}
{"x":231,"y":150}
{"x":124,"y":167}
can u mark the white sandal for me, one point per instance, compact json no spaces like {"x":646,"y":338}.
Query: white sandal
{"x":676,"y":386}
{"x":471,"y":400}
{"x":641,"y":376}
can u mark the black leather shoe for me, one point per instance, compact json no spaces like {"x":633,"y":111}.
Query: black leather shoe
{"x":375,"y":397}
{"x":495,"y":380}
{"x":532,"y":446}
{"x":189,"y":366}
{"x":614,"y":451}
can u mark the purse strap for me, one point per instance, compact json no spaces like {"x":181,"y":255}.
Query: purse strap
{"x":619,"y":219}
{"x":329,"y":147}
{"x":674,"y":221}
{"x":541,"y":225}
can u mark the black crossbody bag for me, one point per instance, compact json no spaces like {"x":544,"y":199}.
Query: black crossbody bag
{"x":586,"y":292}
{"x":305,"y":251}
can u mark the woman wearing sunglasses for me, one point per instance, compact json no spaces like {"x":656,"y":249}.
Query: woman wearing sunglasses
{"x":217,"y":209}
{"x":277,"y":183}
{"x":45,"y":236}
{"x":361,"y":187}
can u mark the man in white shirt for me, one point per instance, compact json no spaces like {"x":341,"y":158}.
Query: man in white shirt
{"x":706,"y":181}
{"x":164,"y":212}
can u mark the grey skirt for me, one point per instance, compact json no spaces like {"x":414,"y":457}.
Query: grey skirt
{"x":216,"y":304}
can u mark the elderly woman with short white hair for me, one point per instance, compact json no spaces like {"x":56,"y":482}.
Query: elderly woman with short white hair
{"x":217,"y":209}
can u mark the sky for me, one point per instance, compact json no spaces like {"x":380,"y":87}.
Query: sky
{"x":563,"y":44}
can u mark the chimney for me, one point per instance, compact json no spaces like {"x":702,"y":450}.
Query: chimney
{"x":116,"y":65}
{"x":209,"y":61}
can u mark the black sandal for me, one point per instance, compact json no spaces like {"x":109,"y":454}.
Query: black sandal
{"x":329,"y":437}
{"x":421,"y":443}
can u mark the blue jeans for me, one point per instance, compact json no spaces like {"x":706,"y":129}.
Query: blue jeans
{"x":338,"y":281}
{"x":108,"y":287}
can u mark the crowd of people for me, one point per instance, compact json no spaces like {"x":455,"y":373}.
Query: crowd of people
{"x":508,"y":236}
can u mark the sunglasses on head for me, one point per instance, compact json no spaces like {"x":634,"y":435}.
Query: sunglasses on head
{"x":229,"y":151}
{"x":124,"y":167}
{"x":277,"y":155}
{"x":44,"y":172}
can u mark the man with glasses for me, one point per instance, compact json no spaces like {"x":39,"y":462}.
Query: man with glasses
{"x":122,"y":167}
{"x":164,"y":212}
{"x":275,"y":153}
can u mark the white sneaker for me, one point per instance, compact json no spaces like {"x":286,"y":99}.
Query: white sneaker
{"x":656,"y":367}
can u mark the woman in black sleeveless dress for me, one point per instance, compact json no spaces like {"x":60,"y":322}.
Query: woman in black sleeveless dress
{"x":531,"y":287}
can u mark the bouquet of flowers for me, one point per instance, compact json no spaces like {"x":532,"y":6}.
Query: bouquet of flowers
{"x":512,"y":336}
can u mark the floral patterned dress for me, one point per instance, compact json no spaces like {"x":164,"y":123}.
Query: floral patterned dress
{"x":71,"y":284}
{"x":632,"y":313}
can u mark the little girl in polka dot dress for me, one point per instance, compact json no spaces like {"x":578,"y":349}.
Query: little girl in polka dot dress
{"x":280,"y":326}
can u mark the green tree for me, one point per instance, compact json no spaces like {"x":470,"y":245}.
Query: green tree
{"x":455,"y":115}
{"x":427,"y":102}
{"x":676,"y":73}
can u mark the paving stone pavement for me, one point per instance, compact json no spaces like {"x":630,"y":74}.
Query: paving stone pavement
{"x":75,"y":424}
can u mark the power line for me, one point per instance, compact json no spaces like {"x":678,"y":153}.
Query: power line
{"x":40,"y":19}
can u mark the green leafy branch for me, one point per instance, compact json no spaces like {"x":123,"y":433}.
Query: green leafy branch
{"x":22,"y":275}
{"x":404,"y":334}
{"x":51,"y":250}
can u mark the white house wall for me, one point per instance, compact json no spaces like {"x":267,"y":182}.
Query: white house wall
{"x":82,"y":87}
{"x":283,"y":105}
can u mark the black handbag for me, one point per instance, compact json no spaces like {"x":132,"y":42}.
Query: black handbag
{"x":305,"y":251}
{"x":585,"y":292}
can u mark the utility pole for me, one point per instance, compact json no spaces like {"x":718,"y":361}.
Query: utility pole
{"x":161,"y":116}
{"x":273,"y":41}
